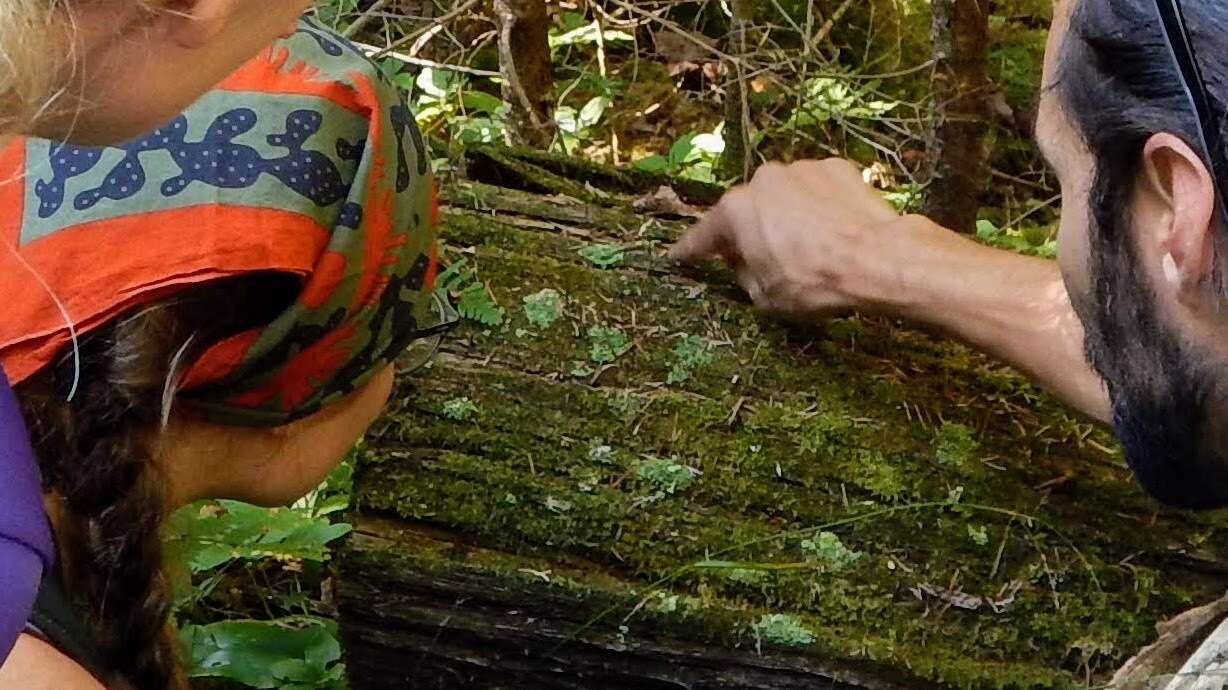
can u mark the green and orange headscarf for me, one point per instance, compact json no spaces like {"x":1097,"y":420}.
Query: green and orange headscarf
{"x":306,"y":161}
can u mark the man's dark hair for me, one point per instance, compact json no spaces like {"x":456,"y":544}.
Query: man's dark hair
{"x":1119,"y":85}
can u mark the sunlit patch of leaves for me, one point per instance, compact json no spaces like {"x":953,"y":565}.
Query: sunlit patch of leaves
{"x":693,"y":156}
{"x":1034,"y":240}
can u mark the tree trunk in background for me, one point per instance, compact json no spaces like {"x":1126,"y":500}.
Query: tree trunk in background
{"x":736,"y":162}
{"x":528,"y":71}
{"x":957,"y":139}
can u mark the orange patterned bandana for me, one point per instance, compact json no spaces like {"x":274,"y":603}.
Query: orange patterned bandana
{"x":306,"y":161}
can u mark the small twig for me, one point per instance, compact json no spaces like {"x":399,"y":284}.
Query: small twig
{"x":439,"y":21}
{"x":365,"y":18}
{"x":420,"y":62}
{"x":830,"y":24}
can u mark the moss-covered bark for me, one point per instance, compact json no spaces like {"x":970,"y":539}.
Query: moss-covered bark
{"x":669,"y":502}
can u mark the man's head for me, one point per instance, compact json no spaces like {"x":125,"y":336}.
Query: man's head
{"x":1143,"y":249}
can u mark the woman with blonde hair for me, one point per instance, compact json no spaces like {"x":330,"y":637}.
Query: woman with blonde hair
{"x":210,"y":263}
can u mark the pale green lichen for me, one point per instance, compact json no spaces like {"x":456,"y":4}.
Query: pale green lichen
{"x":784,"y":630}
{"x":459,"y":409}
{"x":606,"y":343}
{"x":978,"y":534}
{"x":667,"y":475}
{"x":604,"y":255}
{"x":690,"y":354}
{"x":543,"y":308}
{"x":827,"y":548}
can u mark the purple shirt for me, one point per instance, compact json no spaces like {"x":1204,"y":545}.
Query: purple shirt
{"x":26,"y":547}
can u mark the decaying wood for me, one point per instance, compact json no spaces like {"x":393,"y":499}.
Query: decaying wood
{"x":525,"y":545}
{"x":469,"y":628}
{"x":956,"y":146}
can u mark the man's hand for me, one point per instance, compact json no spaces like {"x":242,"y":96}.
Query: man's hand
{"x":811,"y":239}
{"x":798,"y":236}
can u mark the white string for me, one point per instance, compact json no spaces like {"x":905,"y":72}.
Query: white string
{"x":172,"y":383}
{"x":72,"y":327}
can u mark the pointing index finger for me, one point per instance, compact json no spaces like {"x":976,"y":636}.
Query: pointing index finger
{"x":713,"y":235}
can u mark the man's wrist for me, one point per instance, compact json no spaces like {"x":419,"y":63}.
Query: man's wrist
{"x":903,"y":262}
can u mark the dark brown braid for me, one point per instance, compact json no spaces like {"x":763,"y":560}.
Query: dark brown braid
{"x":107,"y":493}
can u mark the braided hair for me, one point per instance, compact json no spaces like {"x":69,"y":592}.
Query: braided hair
{"x":104,"y":487}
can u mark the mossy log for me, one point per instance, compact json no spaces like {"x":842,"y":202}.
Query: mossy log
{"x":716,"y":500}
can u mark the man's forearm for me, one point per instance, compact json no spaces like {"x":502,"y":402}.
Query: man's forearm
{"x":1013,"y":307}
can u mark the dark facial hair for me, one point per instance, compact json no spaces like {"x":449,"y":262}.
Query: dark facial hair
{"x":1167,"y":402}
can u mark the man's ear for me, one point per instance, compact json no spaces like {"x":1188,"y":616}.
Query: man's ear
{"x":1183,"y":214}
{"x":195,"y":23}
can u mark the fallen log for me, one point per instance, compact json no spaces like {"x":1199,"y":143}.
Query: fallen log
{"x":638,"y":483}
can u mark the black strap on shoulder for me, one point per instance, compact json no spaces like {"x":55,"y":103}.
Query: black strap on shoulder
{"x":56,"y":620}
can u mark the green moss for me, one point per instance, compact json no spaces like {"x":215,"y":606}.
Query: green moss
{"x":836,"y":430}
{"x":955,"y":445}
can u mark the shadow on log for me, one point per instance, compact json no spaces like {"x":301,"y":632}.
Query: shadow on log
{"x":651,"y":487}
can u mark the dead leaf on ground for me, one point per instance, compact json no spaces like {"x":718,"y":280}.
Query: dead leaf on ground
{"x":684,"y":53}
{"x":665,"y":202}
{"x":969,"y":602}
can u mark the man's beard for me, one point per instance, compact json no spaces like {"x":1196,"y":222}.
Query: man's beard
{"x":1168,"y":406}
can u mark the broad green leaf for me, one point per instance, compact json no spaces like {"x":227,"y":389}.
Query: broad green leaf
{"x":567,"y":119}
{"x":985,"y":229}
{"x":481,"y":102}
{"x":264,"y":654}
{"x":653,"y":163}
{"x":681,"y":149}
{"x":208,"y":535}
